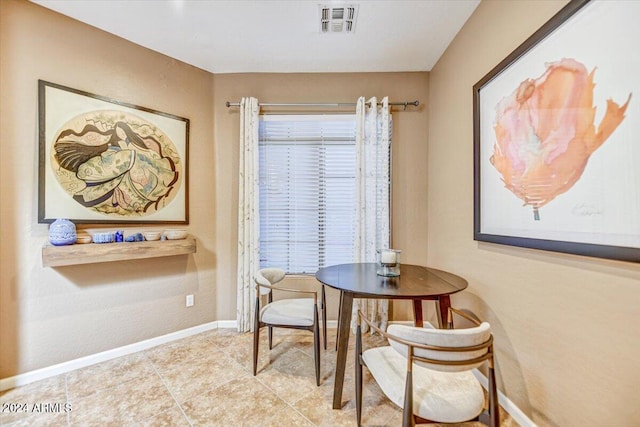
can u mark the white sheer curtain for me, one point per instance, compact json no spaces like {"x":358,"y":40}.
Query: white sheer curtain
{"x":248,"y":213}
{"x":372,"y":198}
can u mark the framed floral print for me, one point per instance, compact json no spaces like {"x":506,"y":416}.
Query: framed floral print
{"x":105,"y":161}
{"x":557,"y":137}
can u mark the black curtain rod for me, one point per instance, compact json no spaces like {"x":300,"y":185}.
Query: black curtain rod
{"x":404,"y":104}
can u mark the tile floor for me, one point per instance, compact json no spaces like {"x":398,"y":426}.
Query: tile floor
{"x":205,"y":380}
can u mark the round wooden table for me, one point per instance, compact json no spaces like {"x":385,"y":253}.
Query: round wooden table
{"x":359,"y":280}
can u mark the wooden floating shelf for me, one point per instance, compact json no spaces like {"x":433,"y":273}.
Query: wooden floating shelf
{"x":89,"y":253}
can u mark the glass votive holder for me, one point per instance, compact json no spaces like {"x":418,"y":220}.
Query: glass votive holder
{"x":388,"y":261}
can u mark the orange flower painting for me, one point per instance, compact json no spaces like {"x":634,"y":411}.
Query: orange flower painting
{"x":545,"y":132}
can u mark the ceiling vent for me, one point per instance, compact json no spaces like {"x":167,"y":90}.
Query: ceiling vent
{"x":338,"y":18}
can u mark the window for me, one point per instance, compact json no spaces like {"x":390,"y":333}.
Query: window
{"x":307,"y":187}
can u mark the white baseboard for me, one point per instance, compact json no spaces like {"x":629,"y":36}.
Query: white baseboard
{"x":61,"y":368}
{"x":511,"y":408}
{"x":227,"y":324}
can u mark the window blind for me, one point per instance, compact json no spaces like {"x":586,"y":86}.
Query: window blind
{"x":307,"y":188}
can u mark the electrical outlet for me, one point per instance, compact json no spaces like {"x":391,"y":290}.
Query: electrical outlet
{"x":189,"y":301}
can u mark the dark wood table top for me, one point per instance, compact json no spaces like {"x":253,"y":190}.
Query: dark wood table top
{"x":414,"y":282}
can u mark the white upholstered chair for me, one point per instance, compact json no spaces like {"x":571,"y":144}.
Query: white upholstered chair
{"x":296,"y":313}
{"x":428,"y":371}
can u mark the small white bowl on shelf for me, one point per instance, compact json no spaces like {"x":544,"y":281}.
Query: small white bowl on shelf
{"x":175,"y":234}
{"x":151,"y":235}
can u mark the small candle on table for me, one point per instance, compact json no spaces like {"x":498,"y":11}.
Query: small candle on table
{"x":388,"y":257}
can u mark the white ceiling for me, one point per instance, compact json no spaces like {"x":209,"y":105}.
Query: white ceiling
{"x":225,"y":36}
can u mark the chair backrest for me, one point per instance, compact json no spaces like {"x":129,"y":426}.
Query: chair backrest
{"x":269,"y":277}
{"x":451,"y":344}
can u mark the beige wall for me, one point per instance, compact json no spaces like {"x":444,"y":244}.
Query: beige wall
{"x":51,"y":315}
{"x":47,"y":315}
{"x":566,"y":326}
{"x":409,"y":150}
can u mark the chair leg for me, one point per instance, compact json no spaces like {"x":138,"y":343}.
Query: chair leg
{"x":324,"y":317}
{"x":269,"y":301}
{"x":494,"y":415}
{"x":407,"y":413}
{"x":316,"y":344}
{"x":339,"y":311}
{"x":358,"y":366}
{"x":256,"y":339}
